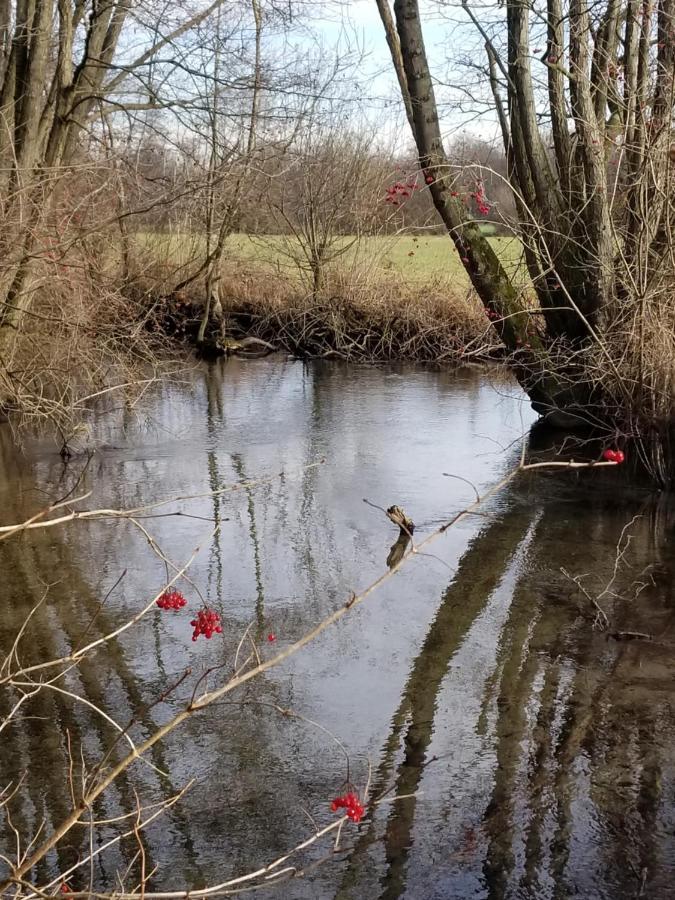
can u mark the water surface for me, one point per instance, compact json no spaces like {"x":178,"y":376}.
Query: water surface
{"x":531,"y":752}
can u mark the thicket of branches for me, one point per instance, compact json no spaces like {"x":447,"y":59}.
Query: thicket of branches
{"x":123,"y":124}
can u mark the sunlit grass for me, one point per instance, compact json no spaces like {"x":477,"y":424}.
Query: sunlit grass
{"x":410,"y":257}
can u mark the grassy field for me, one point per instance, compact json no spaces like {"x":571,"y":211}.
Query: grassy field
{"x":410,"y":258}
{"x":383,"y":298}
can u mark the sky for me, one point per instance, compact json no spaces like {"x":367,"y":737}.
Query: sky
{"x":358,"y":20}
{"x":366,"y":93}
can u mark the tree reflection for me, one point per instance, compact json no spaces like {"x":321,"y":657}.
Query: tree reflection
{"x":576,"y":724}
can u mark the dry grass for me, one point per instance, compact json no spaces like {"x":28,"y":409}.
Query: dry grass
{"x":359,"y":316}
{"x":638,"y":376}
{"x":86,"y":341}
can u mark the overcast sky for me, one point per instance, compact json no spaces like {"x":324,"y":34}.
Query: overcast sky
{"x":358,"y":21}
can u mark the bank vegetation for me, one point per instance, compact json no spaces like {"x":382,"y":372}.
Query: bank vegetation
{"x":131,"y":158}
{"x":118,"y":130}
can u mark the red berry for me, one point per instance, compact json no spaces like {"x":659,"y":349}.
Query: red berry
{"x":207,"y":623}
{"x":610,"y":455}
{"x":356,"y":814}
{"x":171,"y":600}
{"x":271,"y":637}
{"x":429,"y":179}
{"x":619,"y":456}
{"x":354,"y":809}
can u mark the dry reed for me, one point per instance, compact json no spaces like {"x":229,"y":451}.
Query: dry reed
{"x":374,"y":318}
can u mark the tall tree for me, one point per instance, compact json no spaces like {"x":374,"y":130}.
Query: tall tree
{"x":63,"y":63}
{"x":586,"y":125}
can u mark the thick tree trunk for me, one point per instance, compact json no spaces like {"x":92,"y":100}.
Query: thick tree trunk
{"x":503,"y":301}
{"x":487,"y":274}
{"x":581,"y":265}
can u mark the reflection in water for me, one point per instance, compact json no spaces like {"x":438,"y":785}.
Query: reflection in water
{"x":53,"y":732}
{"x":479,"y":573}
{"x":576,"y":802}
{"x":398,"y":549}
{"x":214,"y":419}
{"x":519,"y":752}
{"x":238,"y":465}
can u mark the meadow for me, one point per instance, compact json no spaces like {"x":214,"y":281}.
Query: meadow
{"x":384,"y":297}
{"x":412,"y":258}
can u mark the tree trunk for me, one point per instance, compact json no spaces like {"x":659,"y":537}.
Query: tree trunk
{"x":502,"y":300}
{"x":563,"y":199}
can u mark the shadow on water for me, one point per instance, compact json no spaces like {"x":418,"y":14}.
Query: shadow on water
{"x":519,"y":751}
{"x":579,"y":726}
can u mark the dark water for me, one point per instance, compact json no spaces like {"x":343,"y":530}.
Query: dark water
{"x":532,"y":753}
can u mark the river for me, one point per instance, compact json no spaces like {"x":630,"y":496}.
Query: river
{"x":516,"y":750}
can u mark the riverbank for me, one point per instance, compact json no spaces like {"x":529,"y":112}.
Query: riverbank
{"x":381,"y":298}
{"x":375,"y":324}
{"x":108,"y":315}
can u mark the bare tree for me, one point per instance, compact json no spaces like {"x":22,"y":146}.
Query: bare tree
{"x":586,"y":125}
{"x":62,"y":66}
{"x":326,"y":201}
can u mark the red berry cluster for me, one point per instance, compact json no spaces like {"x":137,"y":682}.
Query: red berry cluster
{"x":479,"y":196}
{"x":492,"y":314}
{"x":352,"y":806}
{"x":171,"y":600}
{"x":615,"y":456}
{"x":400,"y":191}
{"x":206,"y":623}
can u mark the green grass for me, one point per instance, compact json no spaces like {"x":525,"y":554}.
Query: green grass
{"x":415,"y":258}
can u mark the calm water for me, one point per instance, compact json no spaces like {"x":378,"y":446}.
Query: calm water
{"x":533,"y":755}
